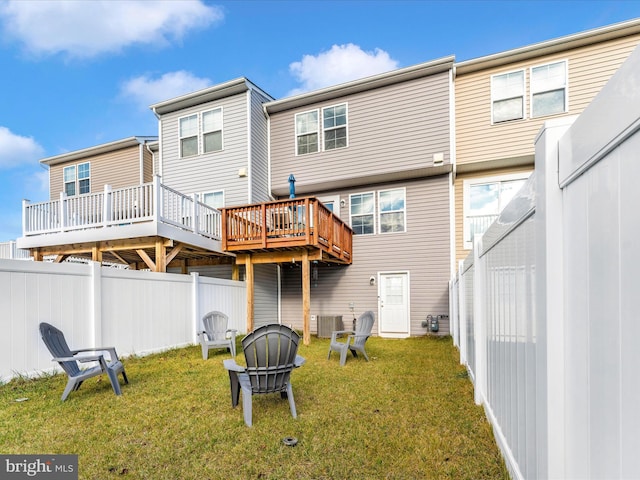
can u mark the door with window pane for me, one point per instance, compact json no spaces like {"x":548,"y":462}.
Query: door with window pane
{"x":394,"y":305}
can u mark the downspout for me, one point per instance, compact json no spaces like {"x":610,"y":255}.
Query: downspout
{"x":141,"y":161}
{"x":452,"y":175}
{"x":159,"y":172}
{"x":153,"y":159}
{"x":266,"y":115}
{"x":249,"y":143}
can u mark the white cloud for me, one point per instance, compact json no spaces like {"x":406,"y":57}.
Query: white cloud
{"x":341,"y":64}
{"x":87,"y":28}
{"x":145,"y":90}
{"x":16,"y":150}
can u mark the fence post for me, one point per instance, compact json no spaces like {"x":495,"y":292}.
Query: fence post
{"x":479,"y":323}
{"x":550,"y":365}
{"x":95,"y":302}
{"x":462,"y":313}
{"x":195,"y":307}
{"x":157,"y":199}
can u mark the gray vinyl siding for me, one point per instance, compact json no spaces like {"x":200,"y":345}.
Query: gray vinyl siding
{"x":265,"y":294}
{"x":259,"y":150}
{"x":393,"y":129}
{"x":215,"y":170}
{"x":120,"y":168}
{"x":423,"y":250}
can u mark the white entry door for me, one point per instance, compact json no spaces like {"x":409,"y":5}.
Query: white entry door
{"x":394,"y":305}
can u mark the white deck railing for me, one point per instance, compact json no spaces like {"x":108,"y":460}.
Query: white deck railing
{"x":148,"y":202}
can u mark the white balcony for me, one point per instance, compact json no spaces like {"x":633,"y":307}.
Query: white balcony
{"x":130,"y":218}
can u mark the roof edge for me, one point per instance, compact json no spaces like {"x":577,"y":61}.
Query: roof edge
{"x":576,"y":40}
{"x":98,"y":149}
{"x":221,"y":90}
{"x":368,"y":83}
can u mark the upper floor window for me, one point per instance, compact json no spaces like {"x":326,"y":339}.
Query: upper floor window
{"x":201,"y":133}
{"x":334,"y":129}
{"x":507,"y":96}
{"x":212,"y":130}
{"x":77,"y":179}
{"x":362,"y":213}
{"x":391,"y":206}
{"x":307,"y":132}
{"x":484,"y":199}
{"x":189,"y":136}
{"x":549,"y":89}
{"x":334,"y":126}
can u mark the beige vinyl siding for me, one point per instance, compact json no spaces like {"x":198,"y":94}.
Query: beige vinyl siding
{"x":423,"y":250}
{"x":119,"y":169}
{"x":477,"y":140}
{"x":259,"y":150}
{"x":461,"y":252}
{"x":392,"y":129}
{"x":147,"y":165}
{"x":214,"y":170}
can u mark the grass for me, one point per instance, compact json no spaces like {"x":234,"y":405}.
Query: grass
{"x":406,"y":414}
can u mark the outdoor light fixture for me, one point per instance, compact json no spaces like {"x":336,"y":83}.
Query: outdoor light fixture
{"x":372,"y":280}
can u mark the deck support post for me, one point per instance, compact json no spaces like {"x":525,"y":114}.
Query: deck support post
{"x":161,"y":256}
{"x":250,"y":292}
{"x":306,"y":299}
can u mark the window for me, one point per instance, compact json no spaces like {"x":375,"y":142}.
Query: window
{"x":212,"y":130}
{"x":507,"y":96}
{"x":484,"y":199}
{"x":362,"y":213}
{"x":548,"y":89}
{"x":334,"y":126}
{"x":77,"y":179}
{"x":84,"y":178}
{"x":201,"y":133}
{"x":391,"y":210}
{"x":334,"y":129}
{"x":69,"y":174}
{"x":214,"y":199}
{"x":307,"y":132}
{"x":189,"y":136}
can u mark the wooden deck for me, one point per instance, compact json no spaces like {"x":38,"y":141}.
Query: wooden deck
{"x":280,"y":231}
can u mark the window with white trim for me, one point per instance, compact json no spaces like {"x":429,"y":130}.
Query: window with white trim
{"x":189,"y":136}
{"x":362,"y":213}
{"x":484,"y":199}
{"x":201,"y":133}
{"x":334,"y":129}
{"x":334,"y":126}
{"x":507,"y":96}
{"x":391,"y":210}
{"x":307,"y":132}
{"x":549,"y":89}
{"x":212,"y":130}
{"x":214,"y":199}
{"x":77,"y":179}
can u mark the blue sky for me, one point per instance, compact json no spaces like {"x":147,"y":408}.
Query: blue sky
{"x":75,"y":74}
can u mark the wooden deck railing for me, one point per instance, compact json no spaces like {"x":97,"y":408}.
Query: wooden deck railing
{"x":111,"y":208}
{"x":298,"y":222}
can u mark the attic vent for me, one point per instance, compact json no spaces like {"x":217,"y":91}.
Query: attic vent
{"x":327,"y":324}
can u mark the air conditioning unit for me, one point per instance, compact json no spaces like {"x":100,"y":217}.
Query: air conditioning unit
{"x":328,"y":324}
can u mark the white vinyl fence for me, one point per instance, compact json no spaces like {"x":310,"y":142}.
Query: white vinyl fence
{"x":546,"y":315}
{"x":137,"y":312}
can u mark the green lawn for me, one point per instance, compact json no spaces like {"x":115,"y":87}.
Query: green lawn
{"x":406,"y":414}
